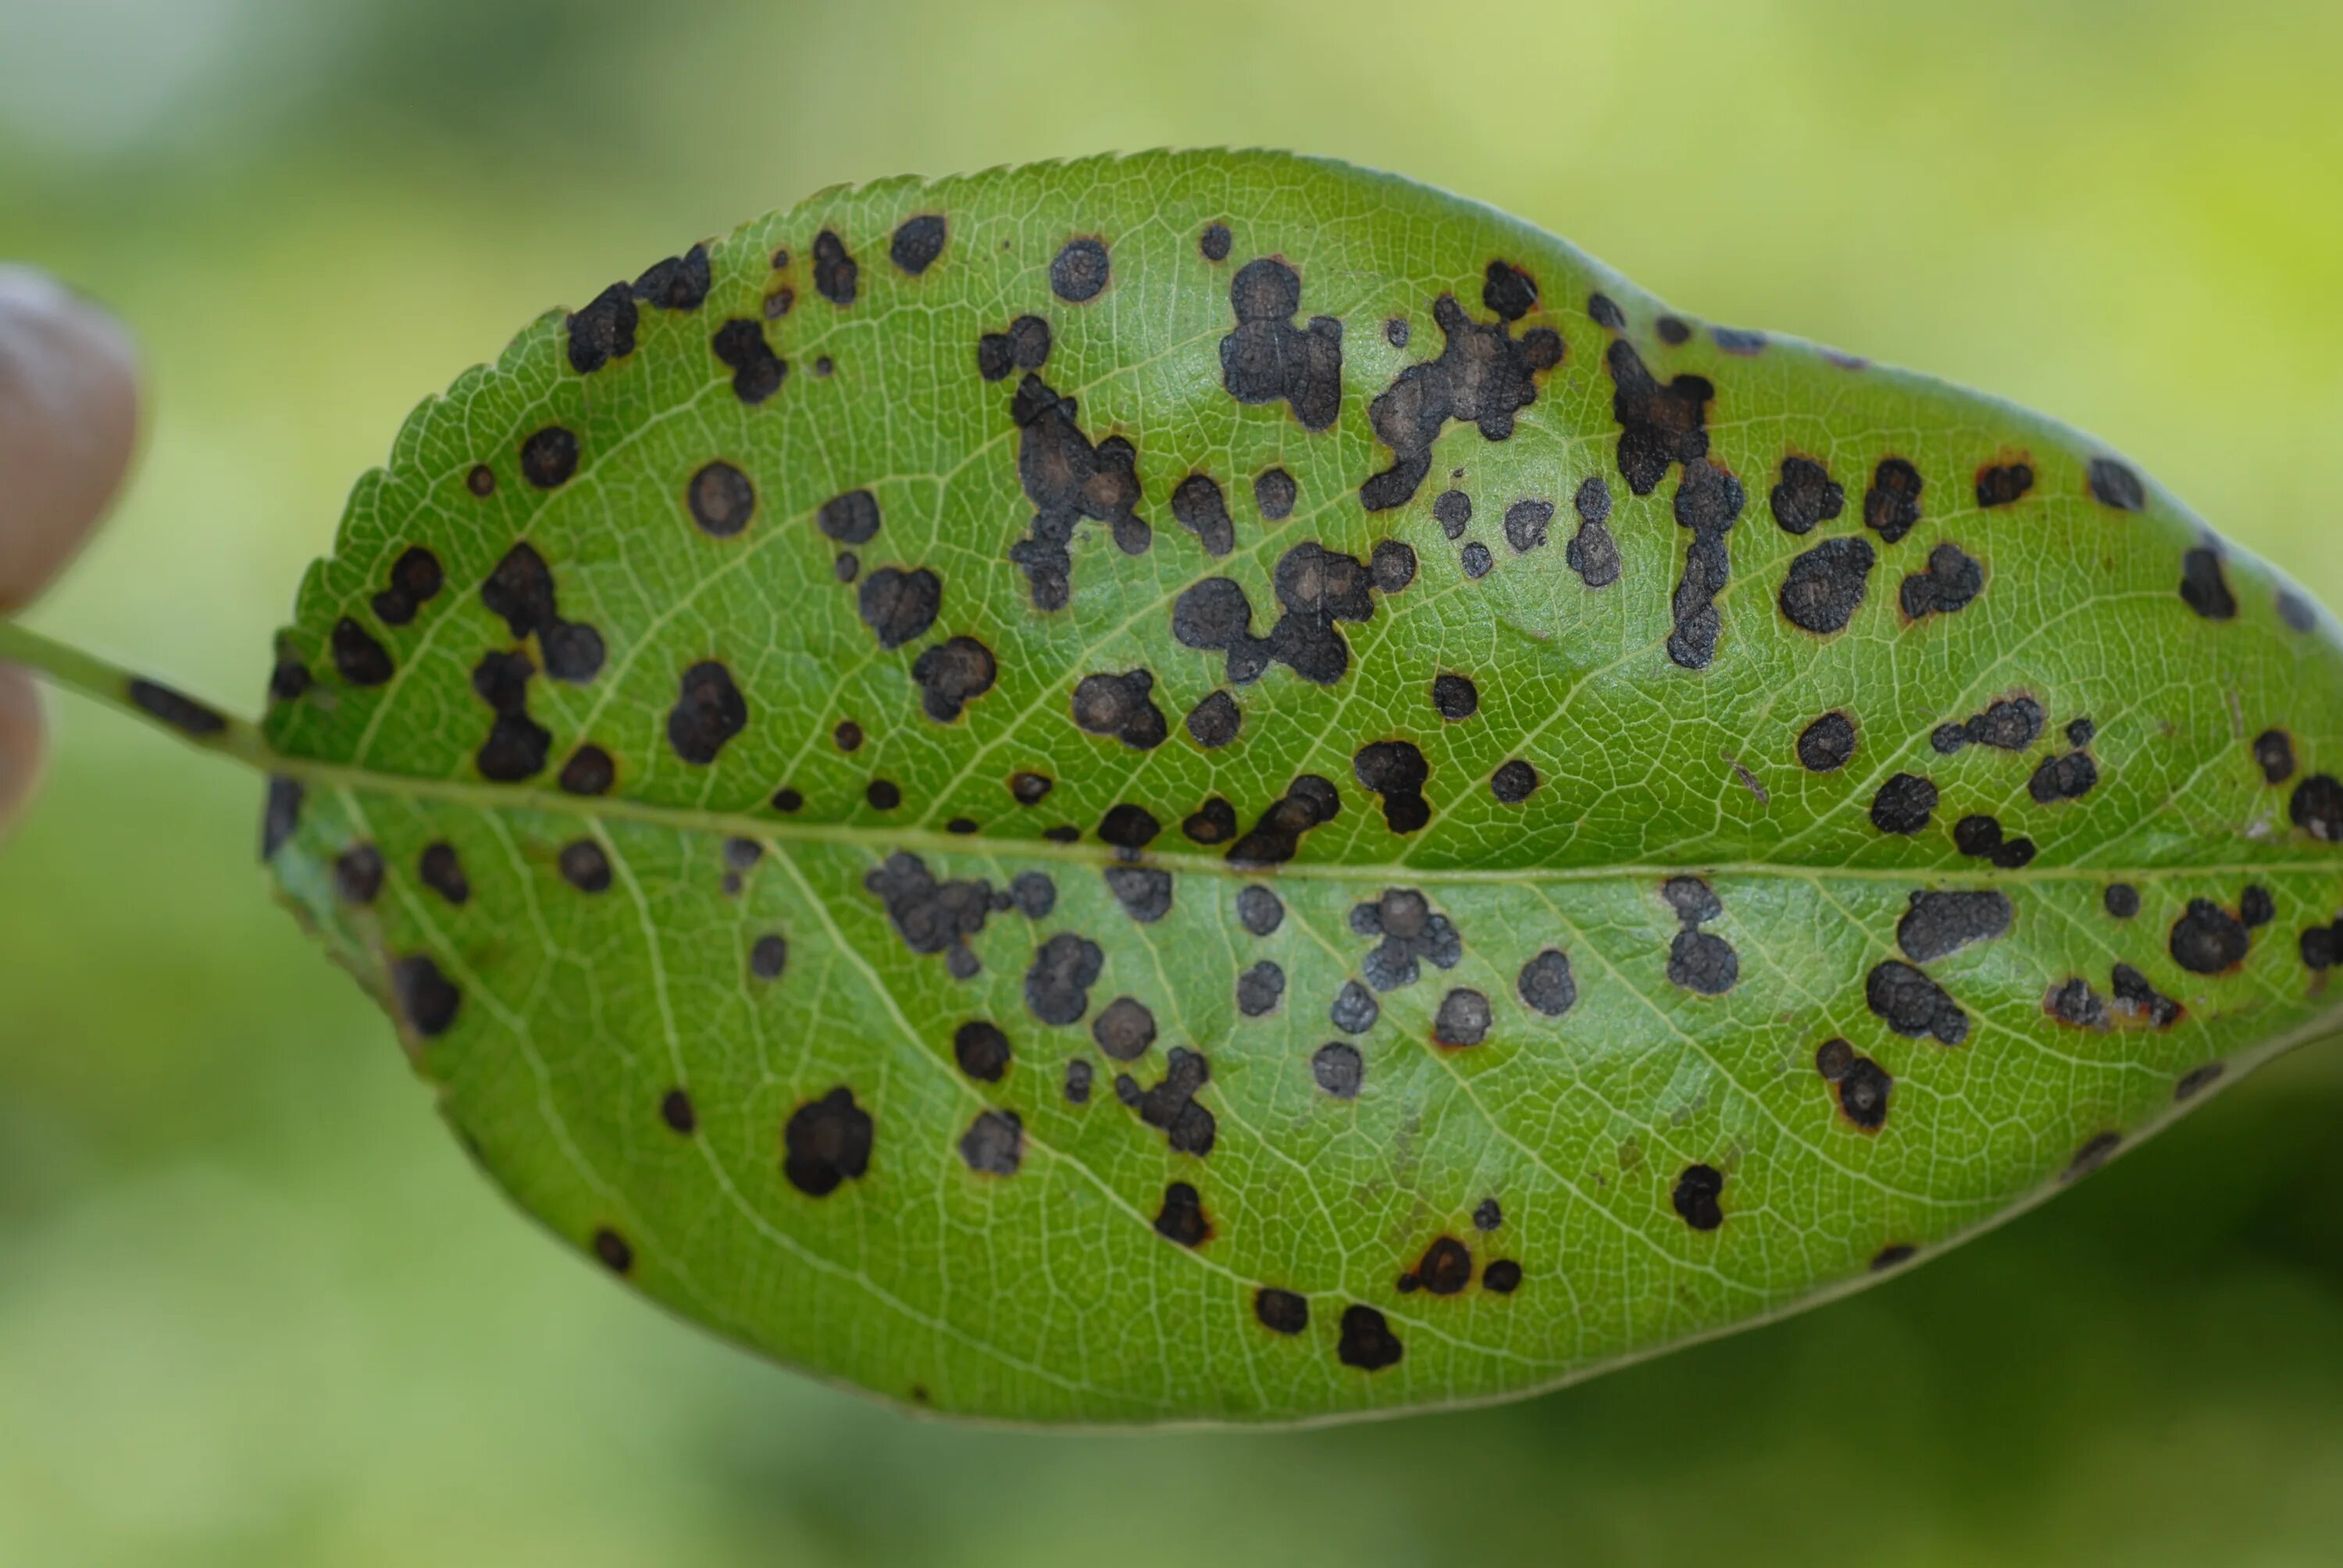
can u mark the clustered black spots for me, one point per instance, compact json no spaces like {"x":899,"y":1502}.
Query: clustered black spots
{"x":358,"y":874}
{"x":826,"y":1142}
{"x":1698,"y":961}
{"x":1079,"y":1073}
{"x":2073,"y":1002}
{"x":1213,"y":822}
{"x":2203,"y":588}
{"x":1067,"y":479}
{"x":1354,"y":1008}
{"x":1592,"y":552}
{"x":1213,"y":243}
{"x":1280,"y":1311}
{"x":1170,"y":1105}
{"x":756,"y":371}
{"x":358,"y":657}
{"x":1525,"y":525}
{"x":1120,"y":706}
{"x":1462,"y":1019}
{"x":1143,"y":892}
{"x":2067,"y":776}
{"x":899,"y":606}
{"x":1890,"y":508}
{"x":1484,"y":375}
{"x":1861,"y":1085}
{"x":1658,"y":425}
{"x":1129,"y":828}
{"x":427,"y":998}
{"x":1213,"y":722}
{"x":2003,"y":484}
{"x":1825,"y":585}
{"x":1936,"y":925}
{"x":1513,"y":782}
{"x":1259,"y":910}
{"x":994,"y":1143}
{"x":1315,"y":586}
{"x":1337,"y":1069}
{"x":1695,"y":1197}
{"x":1708,"y":501}
{"x":1198,"y":506}
{"x":516,"y":744}
{"x":583,"y":866}
{"x":2114,"y":484}
{"x":1395,"y":770}
{"x":1124,"y":1028}
{"x":953,"y":674}
{"x":521,"y":589}
{"x":709,"y":711}
{"x":1951,"y":581}
{"x":1367,"y":1341}
{"x":1545,"y":985}
{"x":1259,"y":988}
{"x":1410,"y":932}
{"x":1276,"y":838}
{"x":1024,"y":346}
{"x":1827,"y":744}
{"x":1904,"y":804}
{"x":769,"y":956}
{"x":1274,"y":493}
{"x":2208,"y":939}
{"x":2093,"y":1154}
{"x":1980,"y":838}
{"x":441,"y":869}
{"x":176,"y":709}
{"x":1182,"y":1218}
{"x":2274,"y":755}
{"x":720,"y":499}
{"x":834,"y":269}
{"x":1912,"y":1005}
{"x":415,"y":580}
{"x":1805,"y":495}
{"x":918,"y":242}
{"x":1078,"y":273}
{"x":677,"y":283}
{"x":2136,"y":998}
{"x":2316,"y":808}
{"x":2010,"y":724}
{"x":1058,"y":983}
{"x":934,"y":917}
{"x":1265,"y":358}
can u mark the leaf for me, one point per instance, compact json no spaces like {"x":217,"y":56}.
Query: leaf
{"x":1213,"y":786}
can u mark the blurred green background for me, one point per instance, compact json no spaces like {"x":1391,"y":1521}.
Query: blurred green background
{"x":255,"y":1307}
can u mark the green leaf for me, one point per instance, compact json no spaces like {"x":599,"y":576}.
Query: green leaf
{"x":1214,"y":786}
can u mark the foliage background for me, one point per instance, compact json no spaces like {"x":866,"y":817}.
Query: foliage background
{"x":254,"y":1309}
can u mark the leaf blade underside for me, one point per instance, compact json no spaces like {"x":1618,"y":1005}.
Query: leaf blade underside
{"x":1598,"y":1010}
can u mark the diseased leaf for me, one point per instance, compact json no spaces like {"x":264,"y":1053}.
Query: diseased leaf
{"x":1213,"y":786}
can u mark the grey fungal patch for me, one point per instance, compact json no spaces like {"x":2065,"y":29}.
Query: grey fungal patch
{"x":917,"y":241}
{"x":1592,"y":552}
{"x":1058,"y":983}
{"x":1336,"y":1068}
{"x":1937,"y":925}
{"x":1259,"y":988}
{"x":2204,"y":588}
{"x":933,"y":917}
{"x":1825,"y":585}
{"x":1067,"y":480}
{"x":994,"y":1143}
{"x":1463,"y":1020}
{"x":1172,"y":1106}
{"x":1143,"y":892}
{"x":1215,"y":721}
{"x":1827,"y":744}
{"x":1199,"y":506}
{"x":2114,"y":484}
{"x":1546,"y":986}
{"x":1354,"y":1008}
{"x":1526,"y":523}
{"x":1080,"y":271}
{"x":1119,"y":705}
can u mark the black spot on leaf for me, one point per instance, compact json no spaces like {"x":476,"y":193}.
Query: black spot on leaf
{"x":899,"y":606}
{"x":709,"y":711}
{"x":722,"y":500}
{"x":2203,"y":588}
{"x":994,"y":1143}
{"x":1805,"y":495}
{"x":2274,"y":755}
{"x":756,"y":371}
{"x":835,"y":271}
{"x":1912,"y":1005}
{"x":1827,"y":744}
{"x":1658,"y":425}
{"x":603,"y":331}
{"x":1546,"y":986}
{"x":933,"y":917}
{"x":427,"y":1000}
{"x":1056,"y":985}
{"x":1182,"y":1216}
{"x":1412,"y":932}
{"x":827,"y":1141}
{"x":1592,"y":552}
{"x":1825,"y":585}
{"x":1936,"y":925}
{"x":1951,"y":581}
{"x":1395,"y":770}
{"x":1904,"y":804}
{"x":950,"y":675}
{"x":1120,"y":706}
{"x":1513,"y":782}
{"x":1067,"y":480}
{"x":1078,"y":272}
{"x":1367,"y":1341}
{"x":1259,"y":910}
{"x":1695,"y":1197}
{"x":918,"y":242}
{"x":1198,"y":506}
{"x":2003,"y":484}
{"x":2208,"y":939}
{"x":2114,"y":484}
{"x":1483,"y":376}
{"x":1265,"y":358}
{"x":1708,"y":500}
{"x":441,"y":869}
{"x":1276,"y":838}
{"x":1215,"y":721}
{"x":1280,"y":1311}
{"x":1463,"y":1020}
{"x":1143,"y":892}
{"x":1335,"y":1067}
{"x":358,"y":657}
{"x":1890,"y":508}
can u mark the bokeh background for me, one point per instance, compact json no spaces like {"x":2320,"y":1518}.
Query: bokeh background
{"x":255,"y":1309}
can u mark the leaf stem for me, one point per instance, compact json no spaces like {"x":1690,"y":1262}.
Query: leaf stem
{"x":187,"y":719}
